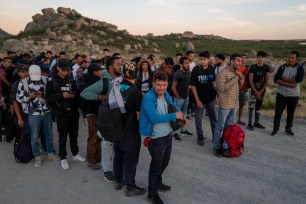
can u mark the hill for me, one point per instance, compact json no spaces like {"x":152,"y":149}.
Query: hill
{"x":66,"y":29}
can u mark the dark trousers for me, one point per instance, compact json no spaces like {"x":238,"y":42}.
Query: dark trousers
{"x":160,"y":151}
{"x":281,"y":103}
{"x":126,"y":157}
{"x":93,"y":142}
{"x":65,"y":126}
{"x":255,"y":104}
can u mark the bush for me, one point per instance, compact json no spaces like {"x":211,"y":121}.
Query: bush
{"x":269,"y":105}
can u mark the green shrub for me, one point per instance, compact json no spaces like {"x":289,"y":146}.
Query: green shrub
{"x":268,"y":105}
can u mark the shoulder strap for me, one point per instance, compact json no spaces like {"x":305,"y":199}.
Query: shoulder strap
{"x":25,"y":85}
{"x":105,"y":86}
{"x":44,"y":79}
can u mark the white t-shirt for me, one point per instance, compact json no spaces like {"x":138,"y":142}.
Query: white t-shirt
{"x":74,"y":70}
{"x":191,"y":66}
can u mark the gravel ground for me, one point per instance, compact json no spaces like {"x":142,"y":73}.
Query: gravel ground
{"x":272,"y":170}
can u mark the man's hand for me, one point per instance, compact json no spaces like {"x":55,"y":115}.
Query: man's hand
{"x":103,"y":97}
{"x":185,"y":121}
{"x":66,"y":95}
{"x":179,"y":115}
{"x":33,"y":95}
{"x":20,"y":122}
{"x":200,"y":104}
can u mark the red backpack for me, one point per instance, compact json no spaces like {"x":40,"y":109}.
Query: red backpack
{"x":232,"y":141}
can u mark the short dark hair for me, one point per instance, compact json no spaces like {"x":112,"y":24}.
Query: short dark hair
{"x":244,"y":55}
{"x":161,"y":76}
{"x":182,"y":60}
{"x":6,"y":58}
{"x":204,"y":54}
{"x":261,"y":54}
{"x":220,"y":56}
{"x":106,"y":50}
{"x":169,"y":61}
{"x":76,"y":56}
{"x":49,"y":52}
{"x":116,"y":54}
{"x":62,"y":53}
{"x":110,"y":61}
{"x":294,"y":52}
{"x":178,"y":54}
{"x":151,"y":57}
{"x":234,"y":56}
{"x":189,"y":52}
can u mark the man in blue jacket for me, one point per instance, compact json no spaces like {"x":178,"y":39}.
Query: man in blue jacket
{"x":155,"y":124}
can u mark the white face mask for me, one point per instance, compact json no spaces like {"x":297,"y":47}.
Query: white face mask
{"x":34,"y":73}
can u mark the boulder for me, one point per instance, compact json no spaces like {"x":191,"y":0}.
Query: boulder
{"x":87,"y":42}
{"x":155,"y":45}
{"x":52,"y":36}
{"x":127,"y":47}
{"x":48,"y":11}
{"x":189,"y":46}
{"x":101,"y":33}
{"x":66,"y":38}
{"x":31,"y":26}
{"x":48,"y":30}
{"x":38,"y":18}
{"x":188,"y":34}
{"x":64,"y":10}
{"x":16,"y":45}
{"x":176,"y":45}
{"x":79,"y":23}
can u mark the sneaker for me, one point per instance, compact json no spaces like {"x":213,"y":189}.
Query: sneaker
{"x":154,"y":198}
{"x":274,"y":132}
{"x":186,"y":132}
{"x":78,"y":157}
{"x":200,"y":140}
{"x":188,"y":117}
{"x":289,"y":131}
{"x":52,"y":157}
{"x":250,"y":127}
{"x":177,"y":138}
{"x":163,"y":188}
{"x":109,"y":177}
{"x":218,"y":152}
{"x":134,"y":191}
{"x":258,"y":125}
{"x":119,"y":185}
{"x":240,"y":122}
{"x":38,"y":163}
{"x":64,"y":164}
{"x":94,"y":166}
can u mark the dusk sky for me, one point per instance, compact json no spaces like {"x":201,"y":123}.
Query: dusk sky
{"x":234,"y":19}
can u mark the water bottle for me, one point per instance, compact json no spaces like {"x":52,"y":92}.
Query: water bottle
{"x":3,"y":136}
{"x":225,"y":148}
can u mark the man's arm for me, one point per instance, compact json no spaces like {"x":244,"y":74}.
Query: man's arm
{"x":4,"y":79}
{"x":92,"y":92}
{"x":174,"y":90}
{"x":223,"y":84}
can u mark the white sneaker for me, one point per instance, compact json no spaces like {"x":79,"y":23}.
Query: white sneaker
{"x":64,"y":164}
{"x":52,"y":157}
{"x":79,"y":158}
{"x":37,"y":163}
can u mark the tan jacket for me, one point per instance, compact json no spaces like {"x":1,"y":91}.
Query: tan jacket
{"x":228,"y":88}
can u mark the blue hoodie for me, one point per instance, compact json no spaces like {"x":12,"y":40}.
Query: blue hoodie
{"x":149,"y":115}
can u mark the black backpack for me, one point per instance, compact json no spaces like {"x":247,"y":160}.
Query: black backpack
{"x":8,"y":125}
{"x":111,"y":123}
{"x":22,"y":149}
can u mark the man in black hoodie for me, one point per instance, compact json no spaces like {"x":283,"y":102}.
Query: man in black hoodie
{"x":90,"y":110}
{"x":61,"y":95}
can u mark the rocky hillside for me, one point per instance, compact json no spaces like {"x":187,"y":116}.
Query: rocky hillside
{"x":66,"y":29}
{"x":4,"y":34}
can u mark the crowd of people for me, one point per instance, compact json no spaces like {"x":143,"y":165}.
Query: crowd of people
{"x":52,"y":88}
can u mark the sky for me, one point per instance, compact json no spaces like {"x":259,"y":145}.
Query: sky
{"x":233,"y":19}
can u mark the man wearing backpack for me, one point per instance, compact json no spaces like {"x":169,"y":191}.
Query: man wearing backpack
{"x":155,"y":125}
{"x":288,"y":77}
{"x":90,"y":109}
{"x":229,"y":81}
{"x":93,"y":92}
{"x":61,"y":95}
{"x":258,"y":80}
{"x":31,"y":91}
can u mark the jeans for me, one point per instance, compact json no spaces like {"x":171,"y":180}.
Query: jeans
{"x":107,"y":156}
{"x":211,"y":111}
{"x":93,"y":141}
{"x":68,"y":125}
{"x":226,"y":117}
{"x":38,"y":123}
{"x":126,"y":157}
{"x":182,"y":104}
{"x":160,"y":151}
{"x":281,"y":103}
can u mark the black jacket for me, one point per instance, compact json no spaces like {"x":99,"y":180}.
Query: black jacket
{"x":299,"y":76}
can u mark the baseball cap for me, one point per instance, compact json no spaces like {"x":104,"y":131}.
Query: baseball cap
{"x":94,"y":67}
{"x":64,"y":64}
{"x":34,"y":72}
{"x":22,"y":67}
{"x":93,"y":57}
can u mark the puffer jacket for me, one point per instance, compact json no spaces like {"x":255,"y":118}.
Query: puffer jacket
{"x":228,"y":88}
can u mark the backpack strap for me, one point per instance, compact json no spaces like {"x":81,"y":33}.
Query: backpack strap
{"x":105,"y":86}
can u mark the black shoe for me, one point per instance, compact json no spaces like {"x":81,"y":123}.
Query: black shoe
{"x":218,"y":152}
{"x":177,"y":138}
{"x":200,"y":140}
{"x":134,"y":191}
{"x":109,"y":177}
{"x":155,"y":199}
{"x":258,"y":125}
{"x":186,"y":132}
{"x":274,"y":133}
{"x":163,"y":188}
{"x":119,"y":185}
{"x":241,"y":122}
{"x":250,"y":127}
{"x":289,"y":131}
